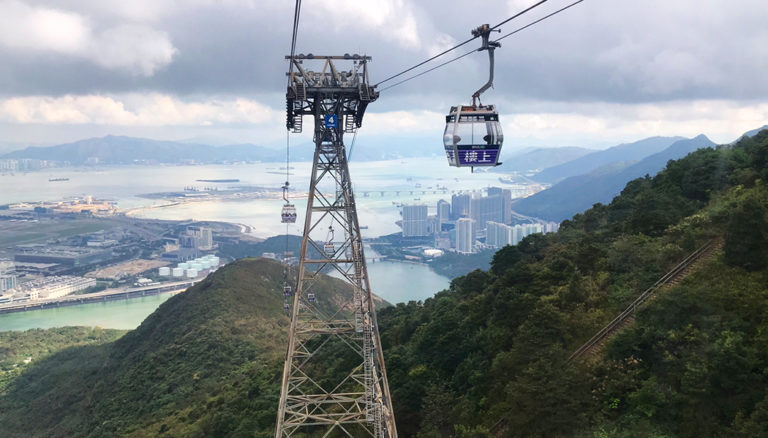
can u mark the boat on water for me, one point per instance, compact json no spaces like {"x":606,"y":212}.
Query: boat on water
{"x":57,"y":179}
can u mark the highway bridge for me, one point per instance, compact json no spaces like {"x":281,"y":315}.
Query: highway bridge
{"x":105,"y":295}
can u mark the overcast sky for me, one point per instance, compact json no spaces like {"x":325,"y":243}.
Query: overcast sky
{"x":600,"y":73}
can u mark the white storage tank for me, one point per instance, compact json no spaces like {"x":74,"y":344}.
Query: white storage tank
{"x":165,"y":271}
{"x":177,"y":272}
{"x":196,"y":266}
{"x":215,"y":260}
{"x":183,"y":265}
{"x":191,"y":273}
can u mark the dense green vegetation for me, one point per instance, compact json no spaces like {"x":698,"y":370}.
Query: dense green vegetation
{"x":206,"y":363}
{"x":19,"y":350}
{"x":486,"y":357}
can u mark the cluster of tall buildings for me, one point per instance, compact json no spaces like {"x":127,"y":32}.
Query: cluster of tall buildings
{"x":498,"y":235}
{"x":197,"y":237}
{"x":24,"y":164}
{"x":189,"y":244}
{"x":471,"y":221}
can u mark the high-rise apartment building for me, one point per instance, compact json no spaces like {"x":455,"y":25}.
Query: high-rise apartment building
{"x":415,"y":221}
{"x":443,"y":213}
{"x":484,"y":209}
{"x":460,"y":206}
{"x":499,"y":235}
{"x":465,"y":235}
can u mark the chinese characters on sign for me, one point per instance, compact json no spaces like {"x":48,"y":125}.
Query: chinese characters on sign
{"x":475,"y":157}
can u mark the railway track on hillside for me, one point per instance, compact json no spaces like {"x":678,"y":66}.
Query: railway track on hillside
{"x":625,"y":318}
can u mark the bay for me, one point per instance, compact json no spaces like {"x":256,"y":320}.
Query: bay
{"x":118,"y":314}
{"x":412,"y":181}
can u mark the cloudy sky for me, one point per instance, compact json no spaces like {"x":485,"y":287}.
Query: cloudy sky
{"x":601,"y":73}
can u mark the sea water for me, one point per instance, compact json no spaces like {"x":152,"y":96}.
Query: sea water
{"x":393,"y":281}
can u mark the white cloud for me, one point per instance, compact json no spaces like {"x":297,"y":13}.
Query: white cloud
{"x":394,"y":20}
{"x":135,"y":48}
{"x":136,"y":110}
{"x":602,"y":123}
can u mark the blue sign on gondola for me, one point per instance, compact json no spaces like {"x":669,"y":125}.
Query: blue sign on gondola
{"x":331,"y":121}
{"x":487,"y":157}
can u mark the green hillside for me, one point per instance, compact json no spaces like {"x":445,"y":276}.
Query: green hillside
{"x":486,"y":357}
{"x":206,"y":363}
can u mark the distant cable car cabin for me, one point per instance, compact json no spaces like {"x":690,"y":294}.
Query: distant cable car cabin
{"x":473,"y":136}
{"x":311,"y":297}
{"x":287,"y":291}
{"x":328,"y":248}
{"x":288,"y":215}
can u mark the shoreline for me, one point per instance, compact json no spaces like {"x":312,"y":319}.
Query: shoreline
{"x":103,"y":296}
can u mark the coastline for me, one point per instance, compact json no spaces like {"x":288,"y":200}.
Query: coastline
{"x":105,"y":295}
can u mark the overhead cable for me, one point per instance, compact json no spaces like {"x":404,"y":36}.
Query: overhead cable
{"x":498,"y":39}
{"x":535,"y":5}
{"x":539,"y":20}
{"x":296,"y":14}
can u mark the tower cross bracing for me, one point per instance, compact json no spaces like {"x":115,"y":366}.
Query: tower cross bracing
{"x":332,"y":333}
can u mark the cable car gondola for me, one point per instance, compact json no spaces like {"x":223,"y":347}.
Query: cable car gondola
{"x":288,"y":214}
{"x":329,"y":248}
{"x":473,"y":136}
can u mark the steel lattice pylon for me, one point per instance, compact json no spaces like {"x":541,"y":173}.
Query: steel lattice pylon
{"x":326,"y":331}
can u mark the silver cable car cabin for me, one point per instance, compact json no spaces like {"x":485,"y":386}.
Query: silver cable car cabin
{"x":473,"y":136}
{"x":288,"y":213}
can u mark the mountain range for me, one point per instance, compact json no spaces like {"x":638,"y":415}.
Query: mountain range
{"x":527,"y":159}
{"x":577,"y":193}
{"x":111,"y":150}
{"x":592,"y":161}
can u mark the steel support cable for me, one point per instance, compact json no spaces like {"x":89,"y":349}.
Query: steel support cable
{"x":286,"y":273}
{"x":473,"y":51}
{"x":539,"y":20}
{"x":535,"y":5}
{"x":427,"y":71}
{"x":296,"y":15}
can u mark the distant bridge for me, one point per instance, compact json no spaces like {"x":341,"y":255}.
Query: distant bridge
{"x":382,"y":193}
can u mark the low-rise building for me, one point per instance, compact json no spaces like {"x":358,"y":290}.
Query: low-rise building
{"x":55,"y":287}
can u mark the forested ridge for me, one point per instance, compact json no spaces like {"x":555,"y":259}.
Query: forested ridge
{"x":486,"y":357}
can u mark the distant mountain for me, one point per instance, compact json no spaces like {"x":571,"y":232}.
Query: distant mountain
{"x":578,"y":193}
{"x":540,"y":158}
{"x":617,"y":154}
{"x":130,"y":150}
{"x":751,"y":133}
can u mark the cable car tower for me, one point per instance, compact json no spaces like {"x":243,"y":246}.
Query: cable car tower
{"x":357,"y":403}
